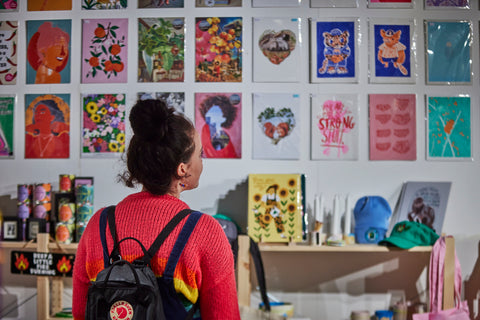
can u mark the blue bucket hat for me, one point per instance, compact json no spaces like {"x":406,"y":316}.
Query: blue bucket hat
{"x":371,"y":219}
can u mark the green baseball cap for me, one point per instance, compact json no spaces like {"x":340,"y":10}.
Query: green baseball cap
{"x":409,"y":234}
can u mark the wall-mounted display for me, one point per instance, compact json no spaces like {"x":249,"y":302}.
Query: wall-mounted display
{"x":160,"y":4}
{"x":449,"y":131}
{"x":334,"y":127}
{"x":218,"y":119}
{"x":7,"y":110}
{"x":8,"y":52}
{"x":103,"y":125}
{"x":448,"y":52}
{"x":104,"y":50}
{"x":276,"y":126}
{"x":392,"y":127}
{"x":391,"y":51}
{"x":47,"y":5}
{"x":333,"y":45}
{"x":333,"y":3}
{"x":48,"y":51}
{"x":172,"y":99}
{"x":277,"y":49}
{"x":161,"y":49}
{"x":218,"y":49}
{"x":47,"y":126}
{"x":101,"y":5}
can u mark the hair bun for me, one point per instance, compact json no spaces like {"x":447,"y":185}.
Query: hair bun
{"x":149,"y":119}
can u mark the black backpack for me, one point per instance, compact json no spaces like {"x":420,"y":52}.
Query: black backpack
{"x":130,"y":291}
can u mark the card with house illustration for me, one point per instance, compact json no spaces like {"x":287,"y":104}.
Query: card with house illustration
{"x":218,"y":49}
{"x":8,"y":52}
{"x":103,"y":125}
{"x":47,"y":5}
{"x":218,"y":3}
{"x":392,"y":127}
{"x":449,"y":128}
{"x":333,"y":45}
{"x":47,"y":126}
{"x":161,"y":49}
{"x":276,"y":205}
{"x":172,"y":99}
{"x":275,"y":4}
{"x":149,"y":4}
{"x":48,"y":51}
{"x":333,"y":3}
{"x":277,"y":126}
{"x":390,"y":3}
{"x":218,"y":119}
{"x":104,"y":5}
{"x":392,"y":58}
{"x":104,"y":50}
{"x":277,"y":49}
{"x":449,"y":45}
{"x":334,"y":127}
{"x":7,"y":114}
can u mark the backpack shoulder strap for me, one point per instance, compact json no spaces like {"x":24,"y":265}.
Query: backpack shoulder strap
{"x":103,"y":235}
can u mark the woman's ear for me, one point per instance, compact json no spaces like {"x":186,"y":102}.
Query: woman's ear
{"x":182,"y":170}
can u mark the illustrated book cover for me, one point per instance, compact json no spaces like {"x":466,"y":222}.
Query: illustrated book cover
{"x":276,"y":126}
{"x":424,"y":202}
{"x":334,"y":127}
{"x":8,"y":52}
{"x":276,"y":205}
{"x":276,"y":49}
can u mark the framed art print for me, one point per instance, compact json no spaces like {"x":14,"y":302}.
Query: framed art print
{"x":12,"y":229}
{"x":47,"y":5}
{"x":333,"y":4}
{"x":218,"y":49}
{"x":449,"y":128}
{"x":276,"y":3}
{"x":448,"y":52}
{"x":218,"y":119}
{"x":218,"y":3}
{"x":8,"y":52}
{"x":161,"y":49}
{"x":34,"y":227}
{"x":276,"y":126}
{"x":47,"y":126}
{"x":390,"y":4}
{"x":172,"y":99}
{"x":8,"y":5}
{"x":104,"y":5}
{"x":7,"y":110}
{"x":334,"y":127}
{"x":148,"y":4}
{"x":446,"y":4}
{"x":103,"y":125}
{"x":48,"y":51}
{"x":392,"y":126}
{"x":277,"y":49}
{"x":391,"y":51}
{"x":104,"y":50}
{"x":333,"y":46}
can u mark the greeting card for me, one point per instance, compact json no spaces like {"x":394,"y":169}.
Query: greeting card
{"x":102,"y":5}
{"x":333,"y":46}
{"x":218,"y":119}
{"x":160,"y":4}
{"x":44,"y":5}
{"x":334,"y":127}
{"x":104,"y":50}
{"x":48,"y":51}
{"x":8,"y":52}
{"x":447,"y":4}
{"x":218,"y":49}
{"x":391,"y":51}
{"x":276,"y":3}
{"x":7,"y":109}
{"x":449,"y":131}
{"x":392,"y":127}
{"x":161,"y":49}
{"x":172,"y":99}
{"x":333,"y":3}
{"x":218,"y":3}
{"x":103,"y":125}
{"x":390,"y":4}
{"x":276,"y":50}
{"x":47,"y":126}
{"x":276,"y":126}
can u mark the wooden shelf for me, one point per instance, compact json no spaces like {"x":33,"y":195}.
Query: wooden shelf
{"x":264,"y":247}
{"x":72,"y":247}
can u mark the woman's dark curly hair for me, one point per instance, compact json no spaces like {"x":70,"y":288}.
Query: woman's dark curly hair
{"x":228,"y":110}
{"x":162,"y":139}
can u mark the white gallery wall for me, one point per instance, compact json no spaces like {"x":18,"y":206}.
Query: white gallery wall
{"x":223,"y":185}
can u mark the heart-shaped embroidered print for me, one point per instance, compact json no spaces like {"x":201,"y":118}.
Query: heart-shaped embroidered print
{"x":276,"y":125}
{"x":276,"y":46}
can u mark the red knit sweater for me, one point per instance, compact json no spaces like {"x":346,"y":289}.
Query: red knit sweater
{"x":205,"y":270}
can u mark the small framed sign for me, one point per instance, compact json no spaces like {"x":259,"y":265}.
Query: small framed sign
{"x":12,"y":229}
{"x":34,"y":227}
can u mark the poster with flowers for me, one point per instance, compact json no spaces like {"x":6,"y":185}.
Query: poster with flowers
{"x":104,"y":50}
{"x":103,"y":125}
{"x":393,"y":134}
{"x":7,"y":109}
{"x":8,"y":52}
{"x":8,"y":5}
{"x":218,"y":119}
{"x":172,"y":99}
{"x":334,"y":127}
{"x":47,"y":126}
{"x":161,"y":49}
{"x":218,"y":49}
{"x":276,"y":126}
{"x":449,"y":128}
{"x":102,"y":4}
{"x":277,"y":49}
{"x":147,"y":4}
{"x":47,"y":5}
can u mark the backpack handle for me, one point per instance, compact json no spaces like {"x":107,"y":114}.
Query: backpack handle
{"x":117,"y":263}
{"x":116,"y":248}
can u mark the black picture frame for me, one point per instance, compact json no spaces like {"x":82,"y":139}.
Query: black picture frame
{"x":34,"y":227}
{"x":12,"y":229}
